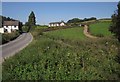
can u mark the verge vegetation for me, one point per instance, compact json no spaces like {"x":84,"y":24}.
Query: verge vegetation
{"x":6,"y":37}
{"x":48,"y":58}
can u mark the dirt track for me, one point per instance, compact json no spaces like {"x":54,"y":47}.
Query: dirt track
{"x":86,"y":33}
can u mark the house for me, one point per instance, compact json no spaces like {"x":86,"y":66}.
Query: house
{"x":1,"y":30}
{"x":9,"y":26}
{"x":56,"y":24}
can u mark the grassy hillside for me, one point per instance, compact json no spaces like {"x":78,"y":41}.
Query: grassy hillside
{"x":101,"y":28}
{"x":90,"y":21}
{"x":47,"y":58}
{"x":75,"y":33}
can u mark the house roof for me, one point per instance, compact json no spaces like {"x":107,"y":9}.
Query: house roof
{"x":10,"y":23}
{"x":57,"y":22}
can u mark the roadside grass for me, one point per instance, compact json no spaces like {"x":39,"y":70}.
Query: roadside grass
{"x":100,"y":29}
{"x":47,"y":59}
{"x":75,"y":33}
{"x":41,"y":26}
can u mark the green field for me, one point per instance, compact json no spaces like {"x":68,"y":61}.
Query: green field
{"x":101,"y":28}
{"x":50,"y":58}
{"x":41,"y":26}
{"x":75,"y":33}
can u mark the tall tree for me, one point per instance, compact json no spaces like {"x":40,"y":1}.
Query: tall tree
{"x":31,"y":21}
{"x":20,"y":27}
{"x":115,"y":27}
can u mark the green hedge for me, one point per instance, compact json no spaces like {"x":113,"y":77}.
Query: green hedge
{"x":6,"y":37}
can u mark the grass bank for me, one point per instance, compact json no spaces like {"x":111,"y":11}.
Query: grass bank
{"x":100,"y":29}
{"x":46,"y":58}
{"x":75,"y":33}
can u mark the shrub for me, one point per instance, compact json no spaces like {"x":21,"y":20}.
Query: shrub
{"x":6,"y":37}
{"x":99,"y":35}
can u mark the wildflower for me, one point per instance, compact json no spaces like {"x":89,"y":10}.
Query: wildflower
{"x":68,"y":54}
{"x":106,"y":43}
{"x":48,"y":47}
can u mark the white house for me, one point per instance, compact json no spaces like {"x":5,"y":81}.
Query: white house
{"x":56,"y":24}
{"x":2,"y":30}
{"x":9,"y":26}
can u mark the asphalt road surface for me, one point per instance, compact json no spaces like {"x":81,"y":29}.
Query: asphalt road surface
{"x":16,"y":45}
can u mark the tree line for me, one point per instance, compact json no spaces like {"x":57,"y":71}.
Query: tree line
{"x":77,"y":21}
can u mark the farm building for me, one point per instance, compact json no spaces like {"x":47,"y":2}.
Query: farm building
{"x":9,"y":26}
{"x":56,"y":24}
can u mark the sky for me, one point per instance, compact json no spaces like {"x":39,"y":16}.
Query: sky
{"x":47,"y":12}
{"x":59,"y":0}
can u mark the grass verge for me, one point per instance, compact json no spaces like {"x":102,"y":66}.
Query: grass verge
{"x":48,"y":59}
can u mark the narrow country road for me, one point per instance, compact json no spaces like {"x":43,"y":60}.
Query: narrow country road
{"x":16,"y":45}
{"x":86,"y":33}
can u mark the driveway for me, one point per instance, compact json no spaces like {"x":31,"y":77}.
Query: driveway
{"x":16,"y":45}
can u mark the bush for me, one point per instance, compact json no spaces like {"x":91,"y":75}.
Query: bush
{"x":25,"y":28}
{"x":99,"y":35}
{"x":6,"y":37}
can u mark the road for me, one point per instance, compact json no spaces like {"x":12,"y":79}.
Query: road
{"x":86,"y":33}
{"x":16,"y":45}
